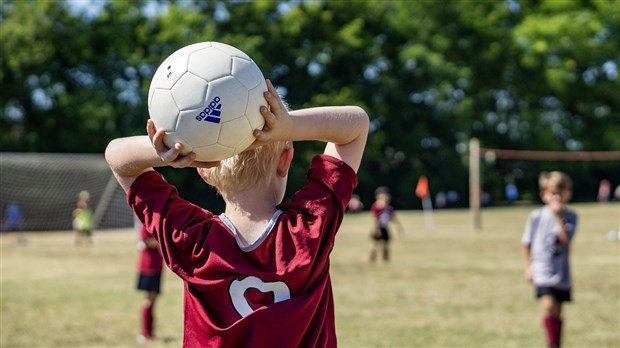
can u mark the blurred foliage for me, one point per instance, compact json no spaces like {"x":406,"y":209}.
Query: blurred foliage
{"x":517,"y":74}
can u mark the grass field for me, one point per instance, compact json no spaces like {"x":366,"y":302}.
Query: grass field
{"x":450,"y":287}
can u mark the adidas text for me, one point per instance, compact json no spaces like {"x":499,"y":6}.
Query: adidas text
{"x":212,"y":112}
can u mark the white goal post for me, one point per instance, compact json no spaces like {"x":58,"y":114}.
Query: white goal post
{"x":476,"y":152}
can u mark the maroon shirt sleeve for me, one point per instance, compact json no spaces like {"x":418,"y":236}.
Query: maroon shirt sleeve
{"x":313,"y":215}
{"x":179,"y":226}
{"x":329,"y":173}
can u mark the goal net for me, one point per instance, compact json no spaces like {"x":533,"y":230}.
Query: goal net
{"x":45,"y":187}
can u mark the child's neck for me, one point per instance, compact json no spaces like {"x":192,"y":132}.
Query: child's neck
{"x":250,"y":211}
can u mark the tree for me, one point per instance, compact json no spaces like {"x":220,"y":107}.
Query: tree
{"x":515,"y":74}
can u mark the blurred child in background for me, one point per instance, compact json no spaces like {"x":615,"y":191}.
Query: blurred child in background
{"x":383,"y":214}
{"x":150,"y":266}
{"x":82,"y":219}
{"x":546,"y":244}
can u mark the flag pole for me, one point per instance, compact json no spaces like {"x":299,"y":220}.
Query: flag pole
{"x":423,"y":192}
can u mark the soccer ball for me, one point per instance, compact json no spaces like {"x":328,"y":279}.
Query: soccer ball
{"x":207,"y":96}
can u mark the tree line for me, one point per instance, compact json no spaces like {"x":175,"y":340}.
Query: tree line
{"x":516,"y":74}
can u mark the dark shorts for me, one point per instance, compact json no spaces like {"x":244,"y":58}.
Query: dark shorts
{"x":558,"y":294}
{"x":383,"y":235}
{"x":149,"y":282}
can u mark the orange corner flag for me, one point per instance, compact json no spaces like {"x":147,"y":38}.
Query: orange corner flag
{"x":421,"y":189}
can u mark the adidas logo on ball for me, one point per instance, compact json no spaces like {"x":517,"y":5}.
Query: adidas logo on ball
{"x":212,"y":112}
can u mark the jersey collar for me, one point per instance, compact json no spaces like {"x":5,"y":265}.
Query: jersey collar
{"x":261,"y":237}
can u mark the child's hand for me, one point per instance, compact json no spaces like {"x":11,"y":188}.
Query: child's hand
{"x":376,"y":232}
{"x":278,"y":121}
{"x":562,"y":235}
{"x":528,"y":274}
{"x":172,"y":156}
{"x":557,"y":207}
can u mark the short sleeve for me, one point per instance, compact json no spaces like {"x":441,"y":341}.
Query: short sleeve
{"x":180,"y":227}
{"x":529,"y":229}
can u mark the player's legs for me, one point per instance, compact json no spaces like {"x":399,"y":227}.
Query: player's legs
{"x":386,"y":251}
{"x":550,"y":306}
{"x":375,"y":241}
{"x":83,"y":237}
{"x":148,"y":318}
{"x":151,"y":284}
{"x":385,"y":238}
{"x":372,"y":256}
{"x":380,"y":239}
{"x":88,"y":235}
{"x":552,"y":321}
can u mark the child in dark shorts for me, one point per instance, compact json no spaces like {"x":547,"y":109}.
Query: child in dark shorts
{"x":546,"y":241}
{"x":150,"y":265}
{"x":383,"y":214}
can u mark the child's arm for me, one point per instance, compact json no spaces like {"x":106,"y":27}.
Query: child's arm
{"x":558,"y":207}
{"x":527,"y":251}
{"x":563,"y":235}
{"x":129,"y":157}
{"x":151,"y":243}
{"x":344,"y":128}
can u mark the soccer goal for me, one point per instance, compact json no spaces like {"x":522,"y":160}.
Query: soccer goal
{"x":44,"y":187}
{"x":476,"y":152}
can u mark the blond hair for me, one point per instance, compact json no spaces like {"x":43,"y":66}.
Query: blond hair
{"x":84,"y":195}
{"x":248,"y":169}
{"x":554,"y":180}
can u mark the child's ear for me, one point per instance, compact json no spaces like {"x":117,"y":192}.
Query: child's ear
{"x":284,"y":162}
{"x":203,"y":174}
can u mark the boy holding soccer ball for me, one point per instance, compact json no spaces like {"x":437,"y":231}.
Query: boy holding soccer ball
{"x":546,"y":241}
{"x":258,"y":274}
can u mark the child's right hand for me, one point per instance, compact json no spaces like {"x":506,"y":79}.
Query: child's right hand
{"x":528,"y":274}
{"x":278,"y":122}
{"x":557,"y":207}
{"x":376,"y":232}
{"x":172,"y":156}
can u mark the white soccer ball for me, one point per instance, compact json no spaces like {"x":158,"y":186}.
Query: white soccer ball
{"x":207,"y":96}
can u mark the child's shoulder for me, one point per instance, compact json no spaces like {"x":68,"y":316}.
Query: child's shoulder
{"x":570,"y":214}
{"x":536,"y":213}
{"x":570,"y":211}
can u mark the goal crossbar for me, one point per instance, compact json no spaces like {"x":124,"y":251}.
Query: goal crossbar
{"x":552,"y":155}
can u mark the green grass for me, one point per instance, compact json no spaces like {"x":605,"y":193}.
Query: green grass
{"x":450,"y":287}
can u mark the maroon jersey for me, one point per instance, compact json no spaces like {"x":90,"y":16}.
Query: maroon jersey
{"x":383,"y":214}
{"x":275,"y":292}
{"x":150,"y":260}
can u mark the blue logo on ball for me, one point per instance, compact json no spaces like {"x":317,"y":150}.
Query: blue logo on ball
{"x":212,"y":112}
